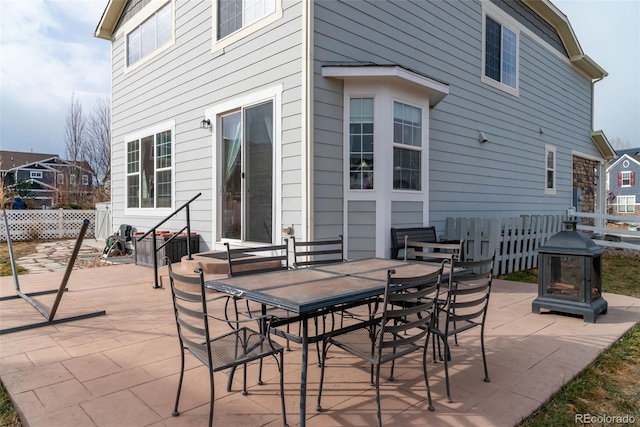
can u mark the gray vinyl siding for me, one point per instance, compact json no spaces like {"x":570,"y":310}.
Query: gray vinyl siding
{"x":503,"y":177}
{"x":361,"y":217}
{"x":186,"y":79}
{"x":406,"y":214}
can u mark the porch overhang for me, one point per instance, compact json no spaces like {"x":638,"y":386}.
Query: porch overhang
{"x":602,"y":143}
{"x":436,"y":90}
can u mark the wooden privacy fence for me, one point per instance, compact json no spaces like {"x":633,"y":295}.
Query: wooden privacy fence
{"x":47,"y":224}
{"x":515,"y":239}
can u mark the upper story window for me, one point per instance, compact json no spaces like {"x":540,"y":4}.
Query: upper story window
{"x":361,"y":143}
{"x":407,"y":146}
{"x":500,"y":55}
{"x":72,"y":179}
{"x":35,"y":174}
{"x":156,"y":31}
{"x":550,"y":169}
{"x":60,"y":178}
{"x":85,"y":179}
{"x":626,"y":179}
{"x":149,"y":170}
{"x":236,"y":14}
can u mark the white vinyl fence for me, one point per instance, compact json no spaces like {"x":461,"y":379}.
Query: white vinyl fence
{"x":614,"y":231}
{"x":103,"y":221}
{"x":47,"y":224}
{"x":516,"y":240}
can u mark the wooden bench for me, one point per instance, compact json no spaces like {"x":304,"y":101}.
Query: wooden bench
{"x":414,"y":234}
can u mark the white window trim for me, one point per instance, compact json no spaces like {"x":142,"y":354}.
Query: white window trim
{"x":152,"y":212}
{"x":35,"y":174}
{"x":547,"y":149}
{"x":214,"y":114}
{"x":85,"y":179}
{"x":623,"y":185}
{"x":633,"y":200}
{"x":242,"y":32}
{"x":409,"y":147}
{"x":505,"y":20}
{"x":136,"y":21}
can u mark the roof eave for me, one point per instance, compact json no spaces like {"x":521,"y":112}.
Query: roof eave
{"x":602,"y":143}
{"x":560,"y":22}
{"x":109,"y":19}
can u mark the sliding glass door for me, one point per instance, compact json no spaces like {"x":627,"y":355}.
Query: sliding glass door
{"x":247,"y":173}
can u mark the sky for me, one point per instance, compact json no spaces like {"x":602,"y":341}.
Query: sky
{"x":48,"y":53}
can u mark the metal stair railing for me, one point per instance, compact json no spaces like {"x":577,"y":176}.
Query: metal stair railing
{"x":152,"y":231}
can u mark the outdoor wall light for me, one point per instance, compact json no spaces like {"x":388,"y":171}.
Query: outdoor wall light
{"x":483,"y":137}
{"x":541,"y":130}
{"x":205,"y":124}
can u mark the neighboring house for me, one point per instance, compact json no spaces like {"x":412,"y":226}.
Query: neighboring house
{"x":623,"y":187}
{"x":321,"y":118}
{"x":53,"y":180}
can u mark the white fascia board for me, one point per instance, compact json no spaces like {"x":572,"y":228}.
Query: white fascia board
{"x":437,"y":90}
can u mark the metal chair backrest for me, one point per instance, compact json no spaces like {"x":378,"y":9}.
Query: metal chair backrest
{"x":317,"y":252}
{"x":190,"y":310}
{"x":243,"y":261}
{"x":408,"y":309}
{"x":468,"y":294}
{"x":451,"y":250}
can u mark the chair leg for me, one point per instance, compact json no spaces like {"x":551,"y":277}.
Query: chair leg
{"x":213,"y":397}
{"x":175,"y":412}
{"x":232,"y":371}
{"x":378,"y":394}
{"x":244,"y":379}
{"x":426,"y":376}
{"x":322,"y":367}
{"x":281,"y":369}
{"x":446,"y":368}
{"x":484,"y":356}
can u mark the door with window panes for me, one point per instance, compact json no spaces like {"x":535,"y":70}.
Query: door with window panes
{"x":246,"y":170}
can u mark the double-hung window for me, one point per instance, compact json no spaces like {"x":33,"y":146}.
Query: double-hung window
{"x":625,"y":179}
{"x":236,"y":14}
{"x":500,"y":53}
{"x":153,"y":33}
{"x":626,"y":204}
{"x":361,"y":143}
{"x":149,"y":171}
{"x":550,"y":169}
{"x":407,"y":146}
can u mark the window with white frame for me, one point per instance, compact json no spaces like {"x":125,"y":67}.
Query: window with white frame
{"x":150,"y":35}
{"x":85,"y":179}
{"x":625,"y":179}
{"x":361,"y":143}
{"x":626,"y":204}
{"x":60,"y":178}
{"x":500,"y":53}
{"x":236,"y":14}
{"x":247,"y":172}
{"x":149,"y":171}
{"x":35,"y":174}
{"x":407,"y":146}
{"x":550,"y":169}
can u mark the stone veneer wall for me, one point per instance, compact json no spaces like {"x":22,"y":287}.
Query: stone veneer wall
{"x":584,"y":178}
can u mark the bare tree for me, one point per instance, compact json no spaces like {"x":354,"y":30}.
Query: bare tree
{"x":97,"y":147}
{"x":620,"y":144}
{"x":74,"y":130}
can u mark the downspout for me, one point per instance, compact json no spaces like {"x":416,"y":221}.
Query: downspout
{"x":307,"y":120}
{"x":601,"y":196}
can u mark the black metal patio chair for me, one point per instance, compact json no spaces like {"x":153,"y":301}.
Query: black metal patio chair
{"x":464,"y":308}
{"x":238,"y":347}
{"x":402,"y":328}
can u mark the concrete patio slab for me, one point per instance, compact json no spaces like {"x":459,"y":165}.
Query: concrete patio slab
{"x":121,"y":369}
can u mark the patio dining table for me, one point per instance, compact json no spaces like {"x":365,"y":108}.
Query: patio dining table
{"x":310,"y":292}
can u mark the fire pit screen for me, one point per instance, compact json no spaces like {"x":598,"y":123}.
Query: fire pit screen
{"x":570,"y":275}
